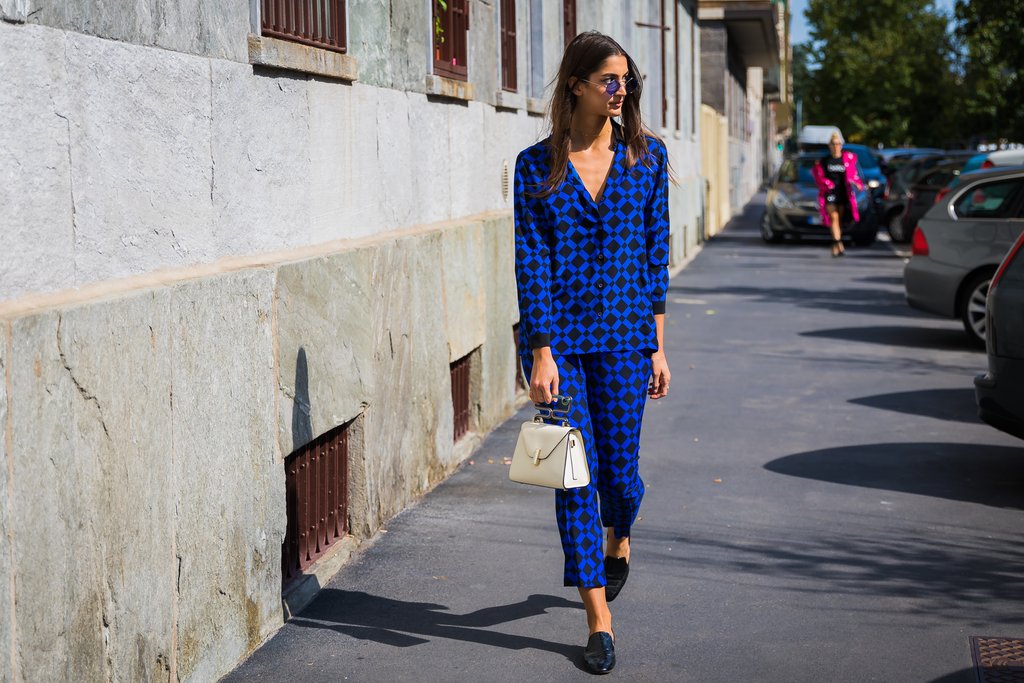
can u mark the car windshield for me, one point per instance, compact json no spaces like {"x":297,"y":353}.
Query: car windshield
{"x":797,"y":171}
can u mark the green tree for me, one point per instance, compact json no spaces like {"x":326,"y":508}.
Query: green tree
{"x":991,"y":67}
{"x":881,"y":71}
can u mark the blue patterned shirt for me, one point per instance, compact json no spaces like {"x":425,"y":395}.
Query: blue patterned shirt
{"x":591,"y":275}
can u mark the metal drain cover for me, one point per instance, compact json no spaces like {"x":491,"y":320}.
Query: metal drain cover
{"x":998,"y":660}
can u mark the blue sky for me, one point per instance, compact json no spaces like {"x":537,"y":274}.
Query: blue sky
{"x":799,"y":25}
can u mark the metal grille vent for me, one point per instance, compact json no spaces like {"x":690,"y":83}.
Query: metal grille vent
{"x":460,"y":395}
{"x":504,"y":179}
{"x":316,"y":500}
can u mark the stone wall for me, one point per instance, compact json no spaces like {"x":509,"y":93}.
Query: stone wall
{"x":143,"y":476}
{"x":207,"y":264}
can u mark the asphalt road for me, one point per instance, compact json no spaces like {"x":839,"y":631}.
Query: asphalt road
{"x":822,"y":505}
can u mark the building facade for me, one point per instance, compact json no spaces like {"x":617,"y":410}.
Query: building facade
{"x":740,"y":78}
{"x":245,"y":243}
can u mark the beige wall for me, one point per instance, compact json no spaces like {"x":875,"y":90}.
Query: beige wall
{"x":714,"y":144}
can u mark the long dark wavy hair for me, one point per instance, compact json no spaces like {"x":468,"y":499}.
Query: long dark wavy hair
{"x":582,"y":57}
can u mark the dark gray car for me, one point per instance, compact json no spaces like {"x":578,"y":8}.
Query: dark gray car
{"x":1000,"y":391}
{"x":959,"y":243}
{"x":792,"y":206}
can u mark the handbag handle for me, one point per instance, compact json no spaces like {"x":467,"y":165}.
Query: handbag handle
{"x":557,"y":410}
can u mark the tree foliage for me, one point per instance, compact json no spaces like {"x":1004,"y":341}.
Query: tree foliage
{"x":881,"y":71}
{"x":990,"y":46}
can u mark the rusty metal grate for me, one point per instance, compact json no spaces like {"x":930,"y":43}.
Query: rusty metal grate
{"x":316,"y":500}
{"x":998,"y":660}
{"x":508,"y":45}
{"x":460,"y":395}
{"x":568,"y":21}
{"x":320,"y":23}
{"x":451,"y":29}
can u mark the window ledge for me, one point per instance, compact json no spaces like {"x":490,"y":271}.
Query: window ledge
{"x":509,"y":100}
{"x":449,"y":87}
{"x":284,"y":54}
{"x":535,"y":105}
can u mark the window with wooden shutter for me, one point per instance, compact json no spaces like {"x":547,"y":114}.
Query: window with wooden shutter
{"x":508,"y":45}
{"x":569,"y":20}
{"x":451,"y":33}
{"x":319,"y":23}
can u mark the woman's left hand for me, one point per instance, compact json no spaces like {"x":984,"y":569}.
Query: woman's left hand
{"x":660,"y":376}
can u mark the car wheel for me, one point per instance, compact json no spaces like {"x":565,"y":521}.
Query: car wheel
{"x":895,"y":227}
{"x":972,"y":307}
{"x":768,"y":234}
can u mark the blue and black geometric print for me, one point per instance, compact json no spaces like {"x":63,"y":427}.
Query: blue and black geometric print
{"x":591,"y":275}
{"x":609,"y":391}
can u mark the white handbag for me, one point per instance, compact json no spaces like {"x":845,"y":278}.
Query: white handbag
{"x":551,"y":455}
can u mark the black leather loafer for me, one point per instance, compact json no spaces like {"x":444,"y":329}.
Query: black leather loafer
{"x":599,"y":655}
{"x":616,"y":569}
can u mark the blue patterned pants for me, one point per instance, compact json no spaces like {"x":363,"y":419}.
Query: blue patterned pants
{"x":609,"y":391}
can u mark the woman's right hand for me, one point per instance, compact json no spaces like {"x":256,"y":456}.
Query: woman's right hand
{"x":544,"y":377}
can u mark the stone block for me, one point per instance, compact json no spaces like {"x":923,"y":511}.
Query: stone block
{"x":333,"y":194}
{"x":501,"y":311}
{"x":260,"y":188}
{"x":229,"y":489}
{"x":430,"y":186}
{"x":91,"y":448}
{"x":368,"y":37}
{"x":410,"y":365}
{"x":35,"y":163}
{"x":462,"y":264}
{"x":475,"y":177}
{"x":140,"y":157}
{"x":325,"y":344}
{"x":397,"y":167}
{"x":201,"y":27}
{"x":6,"y":531}
{"x":410,"y":46}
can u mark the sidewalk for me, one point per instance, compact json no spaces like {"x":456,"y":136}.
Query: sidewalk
{"x":822,"y":505}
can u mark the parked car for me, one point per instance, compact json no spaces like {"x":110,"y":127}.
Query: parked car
{"x":792,"y":206}
{"x":871,"y":171}
{"x":888,"y":155}
{"x":960,"y":242}
{"x":895,"y":195}
{"x":1000,"y":391}
{"x":922,"y":195}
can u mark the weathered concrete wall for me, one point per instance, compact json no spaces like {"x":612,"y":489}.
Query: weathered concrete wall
{"x":6,"y":530}
{"x":201,"y":27}
{"x":148,"y":429}
{"x":227,"y":473}
{"x":121,"y":160}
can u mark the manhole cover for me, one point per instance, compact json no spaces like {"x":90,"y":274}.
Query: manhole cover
{"x":998,"y":660}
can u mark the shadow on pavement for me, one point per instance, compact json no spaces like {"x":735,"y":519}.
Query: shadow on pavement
{"x":942,"y":404}
{"x":961,"y":676}
{"x":863,"y":301}
{"x":400,"y":624}
{"x":988,"y":475}
{"x":952,"y":339}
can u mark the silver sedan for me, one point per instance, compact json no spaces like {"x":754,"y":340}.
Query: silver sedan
{"x":959,"y":243}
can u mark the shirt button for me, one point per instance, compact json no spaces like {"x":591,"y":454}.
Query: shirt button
{"x":600,"y":285}
{"x":600,"y":257}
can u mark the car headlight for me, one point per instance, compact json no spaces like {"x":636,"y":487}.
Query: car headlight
{"x":873,"y":184}
{"x":781,"y":201}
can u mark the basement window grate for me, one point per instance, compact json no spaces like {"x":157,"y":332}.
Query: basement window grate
{"x":316,"y":499}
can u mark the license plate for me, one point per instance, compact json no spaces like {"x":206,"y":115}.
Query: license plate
{"x":814,"y":220}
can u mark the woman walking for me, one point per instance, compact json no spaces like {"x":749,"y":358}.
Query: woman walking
{"x":591,"y":236}
{"x":836,"y":174}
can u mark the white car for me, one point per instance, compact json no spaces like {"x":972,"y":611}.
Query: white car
{"x":1005,"y":157}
